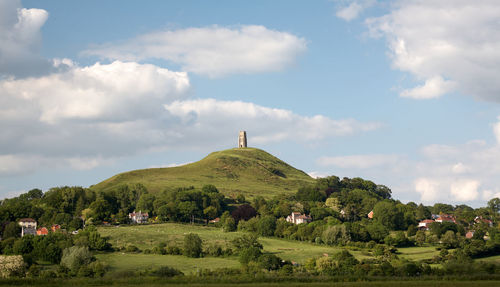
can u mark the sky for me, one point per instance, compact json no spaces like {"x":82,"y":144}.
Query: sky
{"x":403,"y":93}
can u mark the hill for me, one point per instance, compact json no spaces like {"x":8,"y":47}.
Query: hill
{"x":247,"y":171}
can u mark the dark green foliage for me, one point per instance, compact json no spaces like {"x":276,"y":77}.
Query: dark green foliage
{"x":269,"y":262}
{"x":388,"y":214}
{"x":75,"y":257}
{"x":248,"y":254}
{"x":165,"y":271}
{"x":266,"y":226}
{"x":12,"y":230}
{"x":192,"y":245}
{"x":245,"y":241}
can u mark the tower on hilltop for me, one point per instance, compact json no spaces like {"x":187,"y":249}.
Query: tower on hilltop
{"x":242,"y":139}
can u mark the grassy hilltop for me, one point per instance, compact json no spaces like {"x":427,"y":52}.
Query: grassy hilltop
{"x":247,"y":171}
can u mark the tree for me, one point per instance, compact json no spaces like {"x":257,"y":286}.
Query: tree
{"x":76,"y":256}
{"x":494,"y":205}
{"x":387,"y":214}
{"x":248,"y":254}
{"x":145,"y":203}
{"x":266,"y":226}
{"x":245,"y":241}
{"x":192,"y":245}
{"x":337,"y":234}
{"x":12,"y":230}
{"x":244,"y":212}
{"x":449,"y":239}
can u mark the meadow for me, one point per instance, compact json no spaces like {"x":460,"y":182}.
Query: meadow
{"x":149,"y":236}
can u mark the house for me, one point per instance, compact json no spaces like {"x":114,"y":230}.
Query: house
{"x":424,"y":224}
{"x":28,"y":226}
{"x":480,"y":219}
{"x":216,"y":220}
{"x":370,"y":214}
{"x":298,"y":218}
{"x":446,"y":218}
{"x":55,"y":227}
{"x":138,"y":217}
{"x":42,"y":231}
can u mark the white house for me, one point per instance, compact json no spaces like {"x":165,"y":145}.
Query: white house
{"x":28,"y":226}
{"x":297,"y":218}
{"x":138,"y":217}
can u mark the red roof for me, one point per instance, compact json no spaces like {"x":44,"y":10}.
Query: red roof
{"x":427,"y":221}
{"x":42,"y":231}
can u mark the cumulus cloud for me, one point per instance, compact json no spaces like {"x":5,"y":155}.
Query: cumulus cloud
{"x":433,"y":88}
{"x":360,"y":161}
{"x":88,"y":116}
{"x":213,"y":51}
{"x":204,"y":117}
{"x":428,"y":189}
{"x":20,"y":40}
{"x":350,"y":10}
{"x":463,"y":173}
{"x":465,"y":190}
{"x":451,"y":39}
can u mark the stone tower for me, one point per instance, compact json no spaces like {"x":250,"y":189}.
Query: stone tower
{"x":242,"y":139}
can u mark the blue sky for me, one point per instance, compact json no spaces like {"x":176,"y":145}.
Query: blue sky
{"x":404,"y":93}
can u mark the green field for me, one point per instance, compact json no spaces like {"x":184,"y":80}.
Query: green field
{"x":247,"y":171}
{"x":148,"y":236}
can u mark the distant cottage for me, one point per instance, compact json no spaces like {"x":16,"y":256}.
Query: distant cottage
{"x":298,"y":218}
{"x":28,"y":226}
{"x":139,"y":217}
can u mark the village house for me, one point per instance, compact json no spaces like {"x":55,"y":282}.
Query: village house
{"x":139,"y":217}
{"x":55,"y":227}
{"x":42,"y":231}
{"x":28,"y":226}
{"x":216,"y":220}
{"x":424,"y":224}
{"x":298,"y":218}
{"x":370,"y":214}
{"x":480,"y":219}
{"x":446,"y":218}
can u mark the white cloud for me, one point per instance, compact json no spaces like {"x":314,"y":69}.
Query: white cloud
{"x":465,"y":190}
{"x":214,"y":51}
{"x":433,"y":88}
{"x":318,"y":174}
{"x":428,"y":189}
{"x":83,"y":117}
{"x":117,"y":91}
{"x":20,"y":40}
{"x":203,"y":118}
{"x":489,"y":194}
{"x":496,"y":130}
{"x":350,"y":10}
{"x":457,"y":40}
{"x":360,"y":161}
{"x":464,"y":173}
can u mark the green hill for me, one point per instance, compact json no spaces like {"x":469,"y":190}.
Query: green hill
{"x":247,"y":171}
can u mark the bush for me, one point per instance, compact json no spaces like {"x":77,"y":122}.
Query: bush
{"x":249,"y":254}
{"x":74,"y":257}
{"x":192,"y":245}
{"x":132,"y":248}
{"x":165,"y":271}
{"x":11,"y":266}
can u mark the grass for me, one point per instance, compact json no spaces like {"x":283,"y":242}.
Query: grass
{"x":495,"y":259}
{"x":248,"y":171}
{"x":148,"y":236}
{"x":123,"y":262}
{"x":417,"y":253}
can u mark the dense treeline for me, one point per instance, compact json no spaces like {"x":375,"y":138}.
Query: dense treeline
{"x":339,"y":210}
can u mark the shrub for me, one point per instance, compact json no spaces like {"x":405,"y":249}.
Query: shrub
{"x":165,"y":271}
{"x":192,"y":245}
{"x":11,"y":266}
{"x":76,"y":256}
{"x":132,"y":248}
{"x":249,"y":254}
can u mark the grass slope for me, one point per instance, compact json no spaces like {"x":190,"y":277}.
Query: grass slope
{"x":148,"y":236}
{"x":249,"y":171}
